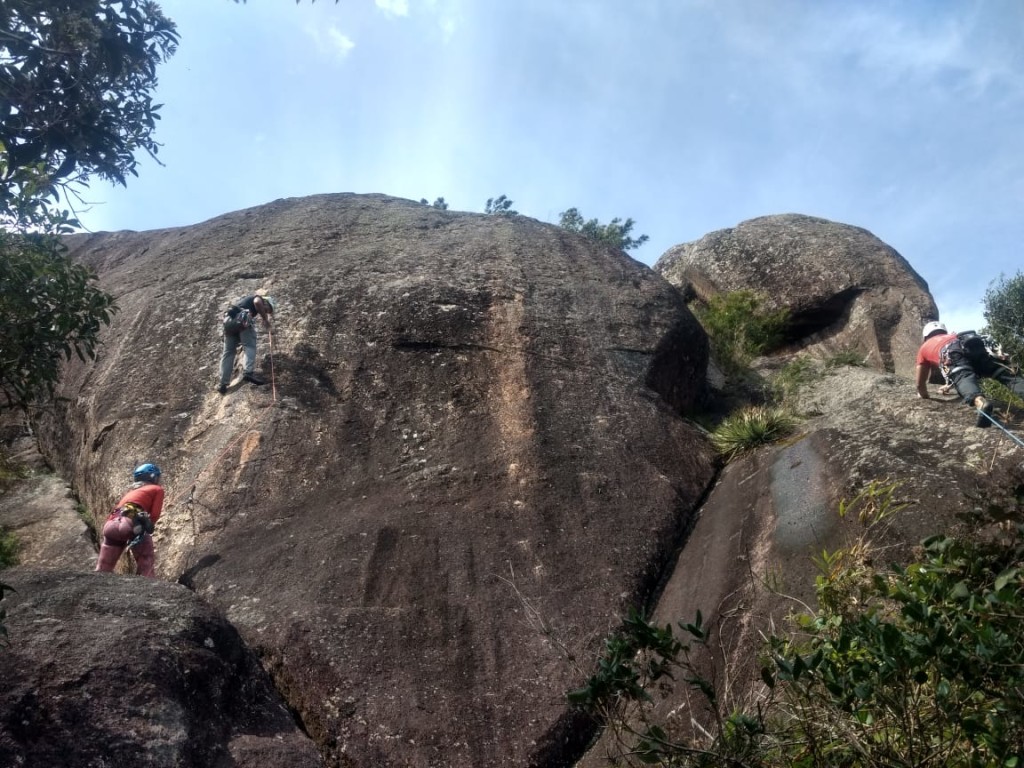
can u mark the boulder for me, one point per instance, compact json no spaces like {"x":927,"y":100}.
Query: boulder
{"x":747,"y":566}
{"x":473,"y":441}
{"x":116,"y":671}
{"x":844,"y":288}
{"x":40,"y":510}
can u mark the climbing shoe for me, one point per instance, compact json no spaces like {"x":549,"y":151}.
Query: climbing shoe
{"x":984,"y":411}
{"x":222,"y":389}
{"x":252,"y":378}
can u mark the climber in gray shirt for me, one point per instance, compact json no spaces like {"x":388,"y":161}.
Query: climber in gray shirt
{"x":240,"y":328}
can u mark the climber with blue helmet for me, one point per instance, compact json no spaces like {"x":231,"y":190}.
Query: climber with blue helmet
{"x":130,"y":525}
{"x":963,"y":358}
{"x":239,"y":323}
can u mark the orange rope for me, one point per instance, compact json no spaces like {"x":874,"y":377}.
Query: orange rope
{"x":242,"y":434}
{"x":273,"y":384}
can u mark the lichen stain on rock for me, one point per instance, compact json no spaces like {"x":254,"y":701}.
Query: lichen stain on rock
{"x":513,"y":416}
{"x":250,"y":444}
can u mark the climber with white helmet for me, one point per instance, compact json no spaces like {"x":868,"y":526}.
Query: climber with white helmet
{"x":239,"y":323}
{"x":963,"y":358}
{"x":131,"y":523}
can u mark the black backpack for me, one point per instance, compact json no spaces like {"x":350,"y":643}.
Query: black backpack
{"x":974,"y":345}
{"x":236,"y":319}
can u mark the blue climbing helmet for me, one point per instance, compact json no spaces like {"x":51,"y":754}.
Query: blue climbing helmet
{"x":146,"y":472}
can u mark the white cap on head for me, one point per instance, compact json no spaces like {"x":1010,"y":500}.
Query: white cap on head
{"x":933,"y":327}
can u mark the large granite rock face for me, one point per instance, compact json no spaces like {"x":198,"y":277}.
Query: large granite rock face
{"x":104,"y":670}
{"x":473,"y":443}
{"x":844,"y":287}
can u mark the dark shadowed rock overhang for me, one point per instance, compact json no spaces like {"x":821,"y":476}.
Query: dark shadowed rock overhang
{"x":473,"y":451}
{"x":844,"y":288}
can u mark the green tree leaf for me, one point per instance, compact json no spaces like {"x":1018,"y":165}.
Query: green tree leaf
{"x":616,"y":233}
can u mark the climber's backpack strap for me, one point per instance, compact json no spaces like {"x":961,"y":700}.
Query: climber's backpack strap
{"x":236,"y":319}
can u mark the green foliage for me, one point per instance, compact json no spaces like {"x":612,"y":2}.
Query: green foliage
{"x":792,"y":377}
{"x":924,"y":666}
{"x":844,"y":575}
{"x":50,"y":309}
{"x":75,"y":102}
{"x":846,"y":357}
{"x":615,"y":233}
{"x":438,"y":203}
{"x":94,"y":526}
{"x":621,"y":694}
{"x":1004,"y":313}
{"x":899,"y":667}
{"x":993,"y":390}
{"x":739,"y":328}
{"x":751,"y":427}
{"x":790,"y":380}
{"x":75,"y":83}
{"x":499,"y":206}
{"x":9,"y":547}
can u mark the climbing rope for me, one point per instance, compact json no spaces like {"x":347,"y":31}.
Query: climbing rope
{"x":1007,"y":432}
{"x":245,"y":431}
{"x":273,"y":384}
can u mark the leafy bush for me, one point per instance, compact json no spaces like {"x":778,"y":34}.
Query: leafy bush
{"x":843,"y":573}
{"x":739,"y":328}
{"x":1004,"y":313}
{"x":634,"y":663}
{"x":752,"y":427}
{"x":993,"y":390}
{"x":897,"y":668}
{"x":927,"y":670}
{"x":51,"y":309}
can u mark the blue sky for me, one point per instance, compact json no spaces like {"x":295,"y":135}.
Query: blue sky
{"x":904,"y":118}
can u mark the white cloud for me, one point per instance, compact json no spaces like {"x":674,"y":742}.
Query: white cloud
{"x":943,"y":52}
{"x":883,"y":44}
{"x":332,"y":41}
{"x":341,"y":42}
{"x":394,"y":7}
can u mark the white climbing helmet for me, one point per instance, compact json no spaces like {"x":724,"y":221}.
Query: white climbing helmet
{"x":932,"y":327}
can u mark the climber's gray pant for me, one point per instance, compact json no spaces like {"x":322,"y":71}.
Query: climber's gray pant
{"x":247,"y":338}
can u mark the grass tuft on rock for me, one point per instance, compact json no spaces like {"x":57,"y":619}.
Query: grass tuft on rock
{"x":752,"y":427}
